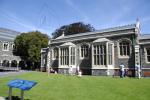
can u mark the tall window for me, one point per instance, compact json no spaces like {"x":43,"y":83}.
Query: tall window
{"x":124,"y":48}
{"x":110,"y":54}
{"x":13,"y":46}
{"x":5,"y":46}
{"x":148,"y":54}
{"x":55,"y":53}
{"x":100,"y":54}
{"x":72,"y":56}
{"x":64,"y":56}
{"x":84,"y":51}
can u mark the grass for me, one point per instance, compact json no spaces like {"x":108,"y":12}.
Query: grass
{"x":64,"y":87}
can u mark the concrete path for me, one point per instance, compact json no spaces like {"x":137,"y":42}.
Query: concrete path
{"x":9,"y":73}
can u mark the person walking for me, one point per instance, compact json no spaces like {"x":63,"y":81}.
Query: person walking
{"x":138,"y":70}
{"x":122,"y":70}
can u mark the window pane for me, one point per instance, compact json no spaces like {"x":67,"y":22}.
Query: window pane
{"x":124,"y":48}
{"x":84,"y":51}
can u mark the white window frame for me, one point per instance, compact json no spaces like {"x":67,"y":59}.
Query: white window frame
{"x":53,"y":53}
{"x":124,"y":56}
{"x":64,"y":56}
{"x":82,"y":52}
{"x":145,"y":50}
{"x":98,"y":45}
{"x":112,"y":53}
{"x":7,"y":46}
{"x":72,"y":56}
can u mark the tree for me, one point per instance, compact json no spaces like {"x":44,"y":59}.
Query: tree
{"x":28,"y":47}
{"x":73,"y":28}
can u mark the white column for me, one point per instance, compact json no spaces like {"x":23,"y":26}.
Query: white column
{"x":107,"y":60}
{"x":48,"y":60}
{"x":17,"y":65}
{"x":69,"y":56}
{"x":92,"y":56}
{"x":59,"y":57}
{"x":41,"y":59}
{"x":9,"y":63}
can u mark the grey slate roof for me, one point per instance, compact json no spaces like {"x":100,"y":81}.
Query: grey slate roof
{"x":131,"y":26}
{"x":144,"y":36}
{"x":7,"y":34}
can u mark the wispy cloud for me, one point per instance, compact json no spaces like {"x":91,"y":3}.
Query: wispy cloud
{"x":18,"y":21}
{"x":76,"y":8}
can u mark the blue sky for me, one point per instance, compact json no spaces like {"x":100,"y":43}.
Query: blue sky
{"x":48,"y":15}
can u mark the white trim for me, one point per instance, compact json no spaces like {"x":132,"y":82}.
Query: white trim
{"x":145,"y":54}
{"x":83,"y":44}
{"x":145,"y":68}
{"x":53,"y":51}
{"x":118,"y":47}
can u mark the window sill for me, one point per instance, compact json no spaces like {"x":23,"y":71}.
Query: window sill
{"x":123,"y":56}
{"x":82,"y":58}
{"x":147,"y":62}
{"x":5,"y":50}
{"x":54,"y":58}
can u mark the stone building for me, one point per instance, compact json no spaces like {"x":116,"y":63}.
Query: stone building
{"x":100,"y":52}
{"x":8,"y":61}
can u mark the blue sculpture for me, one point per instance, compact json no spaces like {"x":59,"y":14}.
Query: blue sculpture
{"x":20,"y":84}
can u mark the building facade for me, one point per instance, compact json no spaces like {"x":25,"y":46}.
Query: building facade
{"x":99,"y":52}
{"x":8,"y":61}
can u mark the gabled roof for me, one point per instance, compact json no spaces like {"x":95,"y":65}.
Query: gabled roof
{"x":101,"y":40}
{"x":68,"y":44}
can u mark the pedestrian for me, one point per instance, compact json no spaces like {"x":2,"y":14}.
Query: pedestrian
{"x":80,"y":73}
{"x":122,"y":70}
{"x":70,"y":70}
{"x":138,"y":70}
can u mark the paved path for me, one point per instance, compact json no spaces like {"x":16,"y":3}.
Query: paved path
{"x":9,"y":73}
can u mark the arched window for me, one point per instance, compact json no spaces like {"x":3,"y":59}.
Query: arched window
{"x":148,"y":55}
{"x":5,"y":46}
{"x":124,"y":47}
{"x":13,"y":63}
{"x":84,"y":51}
{"x":5,"y":63}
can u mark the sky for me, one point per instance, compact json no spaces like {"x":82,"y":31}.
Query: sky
{"x":48,"y":15}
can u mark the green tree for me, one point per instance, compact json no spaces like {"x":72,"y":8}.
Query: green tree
{"x":73,"y":28}
{"x":28,"y":47}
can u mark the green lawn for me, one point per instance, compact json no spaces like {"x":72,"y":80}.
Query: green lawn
{"x":64,"y":87}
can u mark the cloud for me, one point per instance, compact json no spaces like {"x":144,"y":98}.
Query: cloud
{"x":14,"y":19}
{"x":76,"y":8}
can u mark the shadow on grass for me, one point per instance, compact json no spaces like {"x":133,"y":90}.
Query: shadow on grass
{"x":15,"y":98}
